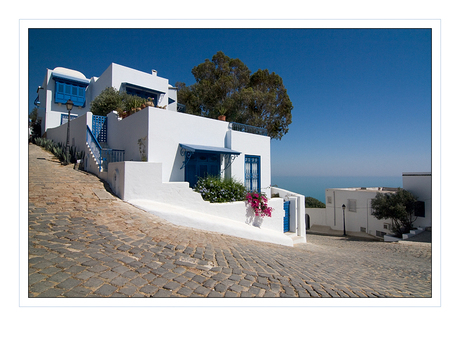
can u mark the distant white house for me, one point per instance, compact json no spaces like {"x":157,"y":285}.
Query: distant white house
{"x":152,"y":157}
{"x":352,"y":207}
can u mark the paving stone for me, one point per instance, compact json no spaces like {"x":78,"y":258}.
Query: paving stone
{"x":85,"y":275}
{"x":160,"y":281}
{"x":41,"y":286}
{"x":138,"y":282}
{"x":162,"y":293}
{"x":230,"y":294}
{"x":171,"y":285}
{"x":93,"y":282}
{"x":220,"y":287}
{"x":69,"y":283}
{"x":50,"y":293}
{"x":105,"y":290}
{"x":128,"y":290}
{"x":119,"y":281}
{"x":59,"y":277}
{"x":201,"y":290}
{"x":149,"y":289}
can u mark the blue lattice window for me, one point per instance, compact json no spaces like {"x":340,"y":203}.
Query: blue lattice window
{"x":66,"y":90}
{"x":68,"y":87}
{"x":252,"y":173}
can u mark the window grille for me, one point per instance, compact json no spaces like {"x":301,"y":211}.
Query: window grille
{"x":352,"y":205}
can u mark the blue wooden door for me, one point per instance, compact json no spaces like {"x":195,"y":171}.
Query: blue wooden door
{"x":202,"y":164}
{"x":286,"y":215}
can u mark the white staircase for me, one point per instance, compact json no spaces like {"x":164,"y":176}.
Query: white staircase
{"x":412,"y":233}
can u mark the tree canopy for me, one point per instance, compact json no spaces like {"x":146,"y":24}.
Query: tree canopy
{"x":399,"y":207}
{"x":225,"y":86}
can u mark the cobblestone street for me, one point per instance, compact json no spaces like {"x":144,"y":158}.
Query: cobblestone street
{"x":84,"y":242}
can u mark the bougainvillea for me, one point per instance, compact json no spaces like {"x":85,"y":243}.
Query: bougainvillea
{"x":258,"y":202}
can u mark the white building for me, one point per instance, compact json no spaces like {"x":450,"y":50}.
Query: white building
{"x":61,"y":84}
{"x":152,"y":157}
{"x":357,"y":214}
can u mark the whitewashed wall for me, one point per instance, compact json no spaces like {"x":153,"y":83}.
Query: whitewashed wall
{"x":419,"y":184}
{"x":141,"y":184}
{"x":168,"y":129}
{"x":317,"y":216}
{"x":53,"y":111}
{"x":251,"y":144}
{"x":354,"y":221}
{"x":77,"y":135}
{"x":297,"y":208}
{"x":129,"y":134}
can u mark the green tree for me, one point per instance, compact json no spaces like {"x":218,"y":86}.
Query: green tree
{"x":311,"y":202}
{"x":35,"y":124}
{"x":108,"y":100}
{"x":225,"y":86}
{"x":398,"y":206}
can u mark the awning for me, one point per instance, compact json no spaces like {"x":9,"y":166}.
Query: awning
{"x":209,"y":149}
{"x":63,"y":77}
{"x":187,"y":150}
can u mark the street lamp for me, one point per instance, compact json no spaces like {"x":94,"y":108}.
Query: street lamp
{"x":69,"y":106}
{"x":343,"y":208}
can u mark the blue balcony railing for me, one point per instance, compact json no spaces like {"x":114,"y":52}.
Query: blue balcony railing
{"x":248,"y":129}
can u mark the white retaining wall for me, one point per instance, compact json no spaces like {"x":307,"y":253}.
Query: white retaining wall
{"x":297,"y":208}
{"x":141,"y":184}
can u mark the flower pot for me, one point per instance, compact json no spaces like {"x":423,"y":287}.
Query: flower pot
{"x":221,"y":117}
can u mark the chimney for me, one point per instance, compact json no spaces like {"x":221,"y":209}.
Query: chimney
{"x":154,"y":72}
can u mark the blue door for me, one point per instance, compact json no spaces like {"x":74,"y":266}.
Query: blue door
{"x":202,"y":164}
{"x":286,"y":215}
{"x":100,"y":128}
{"x":252,"y":173}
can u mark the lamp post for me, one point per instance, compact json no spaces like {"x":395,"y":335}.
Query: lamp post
{"x":69,"y":106}
{"x":343,"y":208}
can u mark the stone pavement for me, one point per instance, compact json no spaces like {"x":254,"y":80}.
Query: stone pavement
{"x":84,"y":242}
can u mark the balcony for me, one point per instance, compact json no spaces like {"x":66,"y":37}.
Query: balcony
{"x":247,"y":128}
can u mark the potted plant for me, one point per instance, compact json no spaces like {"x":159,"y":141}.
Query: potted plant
{"x":149,"y":102}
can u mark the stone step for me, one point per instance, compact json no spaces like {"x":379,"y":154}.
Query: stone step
{"x":296,"y":239}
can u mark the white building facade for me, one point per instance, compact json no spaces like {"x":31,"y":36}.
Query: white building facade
{"x":153,"y":157}
{"x":351,"y":207}
{"x":61,"y":84}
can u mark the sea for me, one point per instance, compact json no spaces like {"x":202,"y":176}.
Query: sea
{"x":315,"y":186}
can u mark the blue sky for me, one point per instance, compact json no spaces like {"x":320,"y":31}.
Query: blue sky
{"x":361,"y":97}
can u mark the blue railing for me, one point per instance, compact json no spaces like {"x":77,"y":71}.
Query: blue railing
{"x":248,"y":128}
{"x":111,"y":156}
{"x":103,"y":156}
{"x":94,"y":146}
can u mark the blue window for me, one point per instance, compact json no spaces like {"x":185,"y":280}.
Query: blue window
{"x":65,"y":118}
{"x":142,"y":92}
{"x":252,"y":173}
{"x":71,"y":88}
{"x":66,"y":91}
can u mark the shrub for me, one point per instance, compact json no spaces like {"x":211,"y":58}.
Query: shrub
{"x":58,"y":150}
{"x":108,"y":100}
{"x":311,"y":202}
{"x":214,"y":189}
